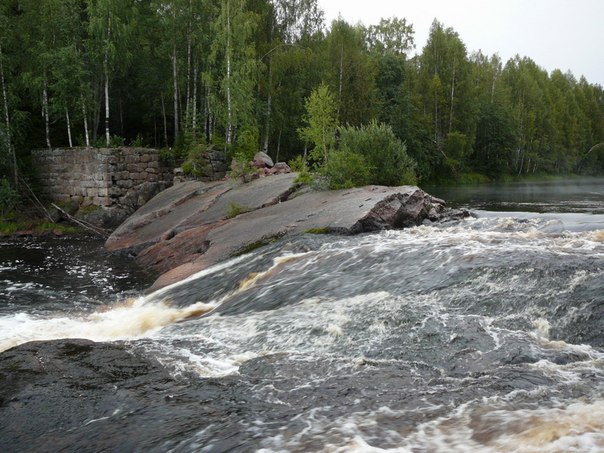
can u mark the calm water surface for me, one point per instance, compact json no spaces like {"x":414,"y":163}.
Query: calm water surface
{"x":481,"y":335}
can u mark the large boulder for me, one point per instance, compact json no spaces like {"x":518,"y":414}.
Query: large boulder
{"x":262,"y":160}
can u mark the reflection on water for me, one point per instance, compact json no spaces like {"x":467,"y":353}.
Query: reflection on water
{"x":580,"y":195}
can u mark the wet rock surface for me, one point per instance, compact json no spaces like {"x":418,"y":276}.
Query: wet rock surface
{"x":194,"y":225}
{"x":77,"y":395}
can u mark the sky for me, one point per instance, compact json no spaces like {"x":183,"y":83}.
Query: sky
{"x":556,"y":34}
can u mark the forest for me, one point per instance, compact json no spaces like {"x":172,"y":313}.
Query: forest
{"x":241,"y":74}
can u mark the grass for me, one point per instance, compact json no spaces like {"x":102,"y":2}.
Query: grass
{"x":235,"y":209}
{"x":84,"y":210}
{"x":8,"y":227}
{"x":258,"y":244}
{"x":46,"y":227}
{"x":11,"y":226}
{"x":324,"y":230}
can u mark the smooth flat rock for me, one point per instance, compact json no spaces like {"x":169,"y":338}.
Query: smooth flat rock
{"x":194,"y":225}
{"x":192,"y":204}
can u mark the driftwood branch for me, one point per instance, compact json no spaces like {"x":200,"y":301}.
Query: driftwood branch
{"x":37,"y":202}
{"x":88,"y":226}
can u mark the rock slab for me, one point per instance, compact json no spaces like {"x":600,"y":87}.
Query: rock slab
{"x":194,"y":225}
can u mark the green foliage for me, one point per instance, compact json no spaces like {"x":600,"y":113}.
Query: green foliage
{"x":138,"y":141}
{"x":472,"y":178}
{"x":351,"y":73}
{"x":305,"y":177}
{"x":390,"y":36}
{"x":346,"y":169}
{"x":324,"y":230}
{"x":45,"y":227}
{"x":298,"y":163}
{"x":241,"y":74}
{"x":258,"y":244}
{"x":9,"y":197}
{"x":196,"y":163}
{"x":385,"y":155}
{"x":247,"y":144}
{"x":495,"y":138}
{"x":235,"y":209}
{"x":455,"y":148}
{"x":115,"y":141}
{"x":242,"y":168}
{"x":167,"y":157}
{"x":321,"y":120}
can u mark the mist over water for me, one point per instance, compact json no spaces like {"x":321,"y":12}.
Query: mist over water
{"x":481,"y":335}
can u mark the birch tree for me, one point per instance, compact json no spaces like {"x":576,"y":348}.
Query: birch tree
{"x":110,"y":24}
{"x":234,"y":53}
{"x":321,"y":123}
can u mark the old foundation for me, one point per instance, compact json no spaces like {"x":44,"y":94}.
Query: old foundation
{"x":118,"y":180}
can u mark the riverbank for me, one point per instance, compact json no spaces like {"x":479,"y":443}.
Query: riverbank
{"x":19,"y":226}
{"x":31,"y":219}
{"x":468,"y":179}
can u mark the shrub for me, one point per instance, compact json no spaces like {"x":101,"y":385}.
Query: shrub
{"x":384,"y":153}
{"x":138,"y":142}
{"x":298,"y":163}
{"x":243,"y":154}
{"x":9,"y":197}
{"x":247,"y":144}
{"x":346,"y":169}
{"x":196,"y":162}
{"x":305,"y":177}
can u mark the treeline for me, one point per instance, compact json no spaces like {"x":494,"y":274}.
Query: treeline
{"x":237,"y":73}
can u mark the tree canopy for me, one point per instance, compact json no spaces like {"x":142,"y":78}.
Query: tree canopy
{"x":168,"y":73}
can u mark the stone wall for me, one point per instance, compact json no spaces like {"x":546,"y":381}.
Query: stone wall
{"x":123,"y":178}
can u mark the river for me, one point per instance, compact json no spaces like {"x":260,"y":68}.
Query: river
{"x":482,"y":335}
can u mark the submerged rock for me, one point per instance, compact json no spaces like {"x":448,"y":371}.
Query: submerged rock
{"x":77,"y":395}
{"x":194,"y":225}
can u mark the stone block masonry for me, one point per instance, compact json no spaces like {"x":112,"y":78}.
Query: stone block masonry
{"x":107,"y":177}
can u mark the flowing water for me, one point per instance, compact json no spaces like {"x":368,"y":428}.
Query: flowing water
{"x":481,"y":335}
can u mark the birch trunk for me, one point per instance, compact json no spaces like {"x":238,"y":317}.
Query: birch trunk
{"x":452,"y":100}
{"x":163,"y":111}
{"x":493,"y":88}
{"x":228,"y":75}
{"x":278,"y":146}
{"x":86,"y":134}
{"x":436,"y":134}
{"x":45,"y":113}
{"x":9,"y":143}
{"x":269,"y":101}
{"x":341,"y":78}
{"x":174,"y":76}
{"x":187,"y":105}
{"x":194,"y":101}
{"x":106,"y":71}
{"x":68,"y":127}
{"x":107,"y":134}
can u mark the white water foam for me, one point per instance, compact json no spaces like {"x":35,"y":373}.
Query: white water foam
{"x":132,"y":319}
{"x":576,"y":427}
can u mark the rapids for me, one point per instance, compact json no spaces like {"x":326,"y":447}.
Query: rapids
{"x":480,"y":335}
